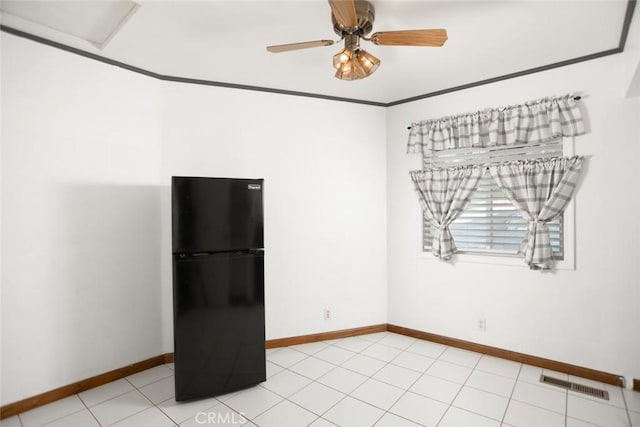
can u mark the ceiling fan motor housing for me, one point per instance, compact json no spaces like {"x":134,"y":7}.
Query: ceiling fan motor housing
{"x":365,"y":13}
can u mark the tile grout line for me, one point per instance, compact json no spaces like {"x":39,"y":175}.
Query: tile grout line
{"x":122,"y":394}
{"x":474,"y":368}
{"x":90,"y":412}
{"x":384,"y":411}
{"x":340,"y":366}
{"x":537,"y":385}
{"x":461,"y":387}
{"x":145,"y":396}
{"x":369,"y":377}
{"x":515,"y":384}
{"x":409,"y":387}
{"x":626,"y":406}
{"x":372,"y":343}
{"x":317,"y":358}
{"x":296,"y":391}
{"x":119,"y":395}
{"x":136,"y":413}
{"x":566,"y":408}
{"x":234,"y":411}
{"x":314,"y":380}
{"x":307,"y":409}
{"x":542,"y":407}
{"x":152,"y":382}
{"x":64,"y":416}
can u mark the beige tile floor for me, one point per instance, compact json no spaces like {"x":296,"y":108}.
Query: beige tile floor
{"x":381,"y":379}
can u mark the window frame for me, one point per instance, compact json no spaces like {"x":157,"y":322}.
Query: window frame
{"x":489,"y":252}
{"x":515,"y":260}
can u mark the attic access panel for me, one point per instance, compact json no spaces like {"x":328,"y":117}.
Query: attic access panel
{"x":94,"y":21}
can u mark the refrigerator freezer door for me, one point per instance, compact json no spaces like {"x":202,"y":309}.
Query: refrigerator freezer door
{"x":218,"y":323}
{"x":216,"y":214}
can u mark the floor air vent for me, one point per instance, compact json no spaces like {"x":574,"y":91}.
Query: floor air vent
{"x":579,"y":388}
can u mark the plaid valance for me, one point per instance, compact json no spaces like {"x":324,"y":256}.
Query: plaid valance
{"x":530,"y":123}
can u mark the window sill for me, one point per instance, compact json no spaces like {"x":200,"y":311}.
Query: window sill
{"x":509,"y":261}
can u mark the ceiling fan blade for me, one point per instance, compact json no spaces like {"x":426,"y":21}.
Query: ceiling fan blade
{"x":410,"y":38}
{"x":345,"y":13}
{"x":295,"y":46}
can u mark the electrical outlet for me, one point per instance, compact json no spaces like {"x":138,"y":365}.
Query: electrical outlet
{"x":327,"y":314}
{"x":482,"y":324}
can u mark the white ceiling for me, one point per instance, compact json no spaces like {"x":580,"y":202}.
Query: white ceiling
{"x":224,"y":41}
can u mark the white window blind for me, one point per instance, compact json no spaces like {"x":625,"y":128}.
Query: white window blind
{"x":490,"y":224}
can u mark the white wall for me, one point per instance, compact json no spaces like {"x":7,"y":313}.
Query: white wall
{"x":587,"y":317}
{"x":80,"y":230}
{"x":325,"y":217}
{"x":87,"y":154}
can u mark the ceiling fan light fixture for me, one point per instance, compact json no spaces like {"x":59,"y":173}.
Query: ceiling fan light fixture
{"x":367,"y":61}
{"x":343,"y":63}
{"x":354,"y":64}
{"x":346,"y":73}
{"x":341,"y":58}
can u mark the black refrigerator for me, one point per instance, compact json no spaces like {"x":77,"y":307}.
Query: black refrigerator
{"x":218,"y":285}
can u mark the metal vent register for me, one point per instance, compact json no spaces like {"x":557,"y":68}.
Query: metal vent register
{"x":579,"y":388}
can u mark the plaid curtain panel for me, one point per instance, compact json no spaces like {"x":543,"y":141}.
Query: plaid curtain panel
{"x":530,"y":123}
{"x":443,"y":194}
{"x":540,"y":190}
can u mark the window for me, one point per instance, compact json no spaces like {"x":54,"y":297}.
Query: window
{"x":490,"y":224}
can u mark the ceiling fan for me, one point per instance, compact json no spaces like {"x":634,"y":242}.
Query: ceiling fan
{"x":353,"y":20}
